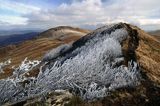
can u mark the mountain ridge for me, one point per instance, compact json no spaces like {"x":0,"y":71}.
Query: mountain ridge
{"x":117,"y":63}
{"x":16,"y":38}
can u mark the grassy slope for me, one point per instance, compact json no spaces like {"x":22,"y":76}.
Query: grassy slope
{"x":148,"y":55}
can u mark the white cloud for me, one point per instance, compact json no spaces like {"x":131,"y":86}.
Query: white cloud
{"x":18,"y":7}
{"x":92,"y":12}
{"x":16,"y":10}
{"x":149,"y":21}
{"x":14,"y":20}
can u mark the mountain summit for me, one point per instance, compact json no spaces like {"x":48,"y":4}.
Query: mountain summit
{"x":114,"y":63}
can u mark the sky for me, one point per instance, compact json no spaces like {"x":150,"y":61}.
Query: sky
{"x":44,"y":14}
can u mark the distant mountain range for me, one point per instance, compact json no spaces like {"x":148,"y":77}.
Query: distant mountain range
{"x":155,"y":34}
{"x":16,"y":38}
{"x":18,"y":31}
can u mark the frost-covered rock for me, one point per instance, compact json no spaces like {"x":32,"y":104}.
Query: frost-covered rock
{"x":24,"y":68}
{"x":56,"y":52}
{"x":13,"y":88}
{"x":3,"y":64}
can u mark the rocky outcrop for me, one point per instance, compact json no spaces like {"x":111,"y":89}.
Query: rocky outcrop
{"x":57,"y":98}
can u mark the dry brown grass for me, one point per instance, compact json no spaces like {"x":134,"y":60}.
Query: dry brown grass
{"x":148,"y":54}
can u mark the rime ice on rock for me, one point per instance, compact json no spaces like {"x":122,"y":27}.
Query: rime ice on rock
{"x":3,"y":64}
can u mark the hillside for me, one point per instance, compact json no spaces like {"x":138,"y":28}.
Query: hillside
{"x":115,"y":65}
{"x":62,"y":32}
{"x":156,"y":34}
{"x":35,"y":48}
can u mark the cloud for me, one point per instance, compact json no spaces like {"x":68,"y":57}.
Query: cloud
{"x":16,"y":11}
{"x":93,"y":12}
{"x":18,"y":7}
{"x":14,"y":20}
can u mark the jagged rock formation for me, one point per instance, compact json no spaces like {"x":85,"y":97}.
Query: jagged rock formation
{"x":117,"y":63}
